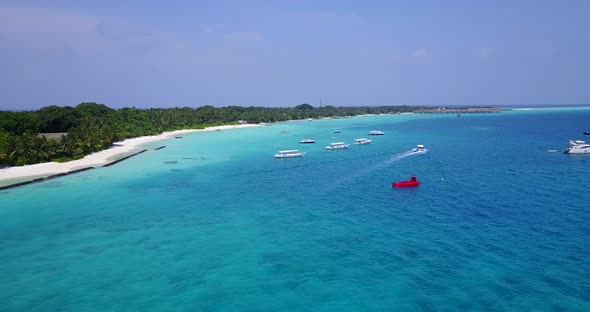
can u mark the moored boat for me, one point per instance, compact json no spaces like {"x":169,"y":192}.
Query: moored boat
{"x":587,"y":132}
{"x":289,"y":154}
{"x":376,"y":132}
{"x":408,"y":183}
{"x":337,"y":146}
{"x":307,"y":141}
{"x":362,"y":141}
{"x":578,"y":147}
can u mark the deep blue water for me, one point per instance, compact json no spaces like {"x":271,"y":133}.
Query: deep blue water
{"x":213,"y":222}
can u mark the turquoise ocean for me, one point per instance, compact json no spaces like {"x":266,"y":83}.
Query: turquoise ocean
{"x":213,"y":222}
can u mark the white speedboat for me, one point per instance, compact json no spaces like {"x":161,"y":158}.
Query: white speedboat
{"x":376,"y":132}
{"x":307,"y":141}
{"x":578,"y":147}
{"x":289,"y":154}
{"x":337,"y":146}
{"x":420,"y":148}
{"x":362,"y":141}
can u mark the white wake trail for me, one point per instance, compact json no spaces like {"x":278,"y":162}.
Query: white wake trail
{"x":394,"y":158}
{"x":400,"y":156}
{"x":379,"y":166}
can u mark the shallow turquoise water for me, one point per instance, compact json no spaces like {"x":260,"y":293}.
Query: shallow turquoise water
{"x":213,"y":222}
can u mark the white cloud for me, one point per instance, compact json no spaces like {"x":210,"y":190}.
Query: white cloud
{"x":59,"y":30}
{"x":331,"y":17}
{"x":45,"y":29}
{"x":243,"y":36}
{"x":209,"y":29}
{"x":485,"y":54}
{"x":393,"y":58}
{"x":422,"y":54}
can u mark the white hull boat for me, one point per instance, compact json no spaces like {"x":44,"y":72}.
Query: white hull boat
{"x":578,"y":147}
{"x":337,"y":146}
{"x":289,"y":154}
{"x":362,"y":141}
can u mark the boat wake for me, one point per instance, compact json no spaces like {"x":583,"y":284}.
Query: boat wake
{"x":394,"y":158}
{"x":400,"y":156}
{"x":379,"y":166}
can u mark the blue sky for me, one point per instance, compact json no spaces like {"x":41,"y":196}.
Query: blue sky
{"x":283,"y":53}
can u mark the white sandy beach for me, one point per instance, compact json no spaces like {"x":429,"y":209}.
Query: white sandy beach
{"x":14,"y":175}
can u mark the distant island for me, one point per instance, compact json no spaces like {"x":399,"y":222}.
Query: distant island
{"x":460,"y":110}
{"x":62,"y":134}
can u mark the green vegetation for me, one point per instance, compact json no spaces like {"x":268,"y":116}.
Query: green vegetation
{"x":92,"y":127}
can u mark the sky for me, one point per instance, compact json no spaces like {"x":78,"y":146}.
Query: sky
{"x":148,"y":53}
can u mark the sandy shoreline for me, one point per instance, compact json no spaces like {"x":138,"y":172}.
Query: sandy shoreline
{"x":13,"y":175}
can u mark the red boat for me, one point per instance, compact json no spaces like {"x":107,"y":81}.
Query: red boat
{"x":409,"y":183}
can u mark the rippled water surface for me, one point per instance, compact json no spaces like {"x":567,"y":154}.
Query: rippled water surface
{"x":213,"y":222}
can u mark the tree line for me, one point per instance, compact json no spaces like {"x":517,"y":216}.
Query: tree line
{"x":93,"y":127}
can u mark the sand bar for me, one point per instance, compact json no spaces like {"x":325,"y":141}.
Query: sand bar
{"x":13,"y":175}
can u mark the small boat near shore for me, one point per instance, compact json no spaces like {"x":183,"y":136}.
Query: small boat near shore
{"x":578,"y":147}
{"x":376,"y":132}
{"x":412,"y":182}
{"x":337,"y":146}
{"x":362,"y":141}
{"x":289,"y":154}
{"x":307,"y":141}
